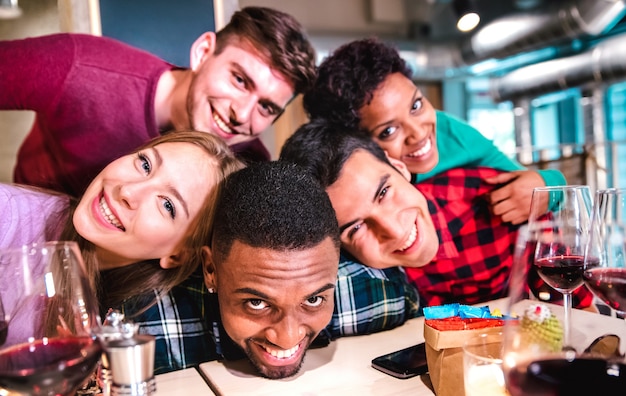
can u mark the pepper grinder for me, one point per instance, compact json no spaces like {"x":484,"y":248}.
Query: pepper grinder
{"x":127,"y":366}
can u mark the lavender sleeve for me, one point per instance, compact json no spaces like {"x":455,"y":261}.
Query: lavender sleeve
{"x":28,"y":216}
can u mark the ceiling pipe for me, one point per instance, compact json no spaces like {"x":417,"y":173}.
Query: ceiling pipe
{"x":603,"y":64}
{"x":513,"y":34}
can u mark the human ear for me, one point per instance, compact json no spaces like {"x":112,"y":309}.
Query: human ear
{"x":400,"y":166}
{"x":201,"y":48}
{"x":208,"y":269}
{"x":170,"y":262}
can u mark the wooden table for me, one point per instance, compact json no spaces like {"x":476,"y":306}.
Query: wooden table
{"x":343,"y":367}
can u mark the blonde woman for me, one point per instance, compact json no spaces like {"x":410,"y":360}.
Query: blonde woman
{"x":140,"y":224}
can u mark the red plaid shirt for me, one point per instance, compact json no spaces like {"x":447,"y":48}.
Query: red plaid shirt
{"x":476,"y":248}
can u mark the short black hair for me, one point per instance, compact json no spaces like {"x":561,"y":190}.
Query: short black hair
{"x":274,"y":205}
{"x":322,"y":148}
{"x":347,"y":79}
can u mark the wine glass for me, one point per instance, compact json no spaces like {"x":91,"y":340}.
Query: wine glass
{"x":605,"y":264}
{"x":535,"y":361}
{"x":3,"y":324}
{"x":564,"y":214}
{"x":51,"y":316}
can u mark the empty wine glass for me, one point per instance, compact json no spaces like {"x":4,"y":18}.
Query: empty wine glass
{"x":51,"y":314}
{"x":605,"y":264}
{"x":564,"y":212}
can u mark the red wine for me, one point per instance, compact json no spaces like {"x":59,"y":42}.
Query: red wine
{"x":609,"y":284}
{"x":57,"y":366}
{"x":583,"y":376}
{"x":564,"y":273}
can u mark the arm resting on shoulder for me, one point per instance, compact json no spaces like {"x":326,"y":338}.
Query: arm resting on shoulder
{"x":512,"y":200}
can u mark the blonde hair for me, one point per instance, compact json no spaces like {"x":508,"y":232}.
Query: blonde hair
{"x":143,"y":277}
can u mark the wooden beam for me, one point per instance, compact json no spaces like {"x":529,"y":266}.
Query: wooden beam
{"x":80,"y":16}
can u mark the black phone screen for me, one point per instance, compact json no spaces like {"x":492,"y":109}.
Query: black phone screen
{"x":405,"y":363}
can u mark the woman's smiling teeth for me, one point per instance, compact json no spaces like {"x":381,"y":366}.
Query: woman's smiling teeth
{"x":423,"y":150}
{"x":281,"y":353}
{"x":410,"y":240}
{"x":221,"y":124}
{"x":108,"y":215}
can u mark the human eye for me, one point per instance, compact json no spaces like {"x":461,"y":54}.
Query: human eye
{"x":418,"y":104}
{"x":314,"y":301}
{"x":387,"y":133}
{"x":144,"y":163}
{"x":169,"y":207}
{"x":354,"y":229}
{"x":383,"y":192}
{"x":239,"y":80}
{"x":256,"y":304}
{"x":268,"y":110}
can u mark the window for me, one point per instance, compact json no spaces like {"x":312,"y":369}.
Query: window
{"x":616,"y":133}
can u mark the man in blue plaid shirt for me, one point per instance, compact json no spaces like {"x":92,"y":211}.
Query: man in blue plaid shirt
{"x":270,"y":269}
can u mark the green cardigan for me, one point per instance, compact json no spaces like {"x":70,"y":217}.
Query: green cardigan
{"x":461,"y":145}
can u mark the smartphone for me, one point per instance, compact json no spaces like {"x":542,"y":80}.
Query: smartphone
{"x":405,"y":363}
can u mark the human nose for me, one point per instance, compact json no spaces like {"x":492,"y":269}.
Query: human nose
{"x":129,"y":194}
{"x":286,"y":332}
{"x":241,"y":110}
{"x":387,"y":227}
{"x":414,"y":133}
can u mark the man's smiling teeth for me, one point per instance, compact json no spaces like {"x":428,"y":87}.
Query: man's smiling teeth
{"x":410,"y":240}
{"x":108,"y":215}
{"x":281,"y":353}
{"x":425,"y":149}
{"x":221,"y":124}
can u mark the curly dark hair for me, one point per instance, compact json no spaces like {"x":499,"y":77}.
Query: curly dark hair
{"x":322,"y":148}
{"x":274,"y":205}
{"x":348,"y":77}
{"x":277,"y":36}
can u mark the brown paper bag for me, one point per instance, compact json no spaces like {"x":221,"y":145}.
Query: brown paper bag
{"x":444,"y":354}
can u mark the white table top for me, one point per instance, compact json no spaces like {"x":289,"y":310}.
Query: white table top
{"x":344,"y":367}
{"x":341,"y":368}
{"x":182,"y":383}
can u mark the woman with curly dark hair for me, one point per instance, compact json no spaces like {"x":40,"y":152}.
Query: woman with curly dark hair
{"x":366,"y":84}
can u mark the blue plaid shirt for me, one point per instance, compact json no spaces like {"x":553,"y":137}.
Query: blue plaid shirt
{"x":188,"y":330}
{"x":182,"y":325}
{"x":368,"y":300}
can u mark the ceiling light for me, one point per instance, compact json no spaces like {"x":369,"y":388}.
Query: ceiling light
{"x":9,"y":9}
{"x":467,"y":14}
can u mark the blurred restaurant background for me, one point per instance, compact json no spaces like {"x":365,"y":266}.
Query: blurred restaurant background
{"x":544,"y":79}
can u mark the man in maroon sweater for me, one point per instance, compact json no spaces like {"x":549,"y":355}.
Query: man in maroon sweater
{"x":97,"y":99}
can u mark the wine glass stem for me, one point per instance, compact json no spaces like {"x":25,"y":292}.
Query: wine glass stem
{"x":567,"y":305}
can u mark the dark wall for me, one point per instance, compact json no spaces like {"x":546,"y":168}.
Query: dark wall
{"x":163,"y":27}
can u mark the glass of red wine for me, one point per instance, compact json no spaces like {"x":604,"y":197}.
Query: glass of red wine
{"x":563,"y":218}
{"x":605,"y":261}
{"x":51,"y":320}
{"x":3,"y":324}
{"x":536,"y":360}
